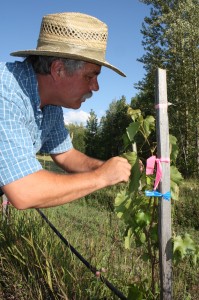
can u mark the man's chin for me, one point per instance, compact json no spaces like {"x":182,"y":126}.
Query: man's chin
{"x":77,"y":105}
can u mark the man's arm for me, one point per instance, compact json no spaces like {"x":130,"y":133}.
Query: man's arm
{"x":73,"y":161}
{"x":46,"y":189}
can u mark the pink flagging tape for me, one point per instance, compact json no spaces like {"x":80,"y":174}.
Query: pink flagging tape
{"x":5,"y":203}
{"x":162,"y":105}
{"x":150,"y":166}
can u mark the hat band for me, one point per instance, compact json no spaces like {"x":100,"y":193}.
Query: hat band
{"x":71,"y":49}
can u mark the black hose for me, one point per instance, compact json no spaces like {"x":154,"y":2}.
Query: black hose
{"x":86,"y":263}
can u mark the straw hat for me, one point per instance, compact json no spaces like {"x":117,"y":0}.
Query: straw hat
{"x":72,"y":35}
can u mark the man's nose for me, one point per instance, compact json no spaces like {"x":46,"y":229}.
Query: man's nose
{"x":94,"y":85}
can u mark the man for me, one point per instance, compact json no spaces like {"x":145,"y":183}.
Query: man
{"x":61,"y":72}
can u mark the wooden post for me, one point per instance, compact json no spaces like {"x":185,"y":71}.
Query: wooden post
{"x":164,"y":226}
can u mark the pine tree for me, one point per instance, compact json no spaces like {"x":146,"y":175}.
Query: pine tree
{"x":77,"y":133}
{"x":112,"y":128}
{"x":171,"y":39}
{"x":91,"y":136}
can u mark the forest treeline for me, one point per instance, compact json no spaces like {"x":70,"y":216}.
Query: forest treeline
{"x":170,"y":37}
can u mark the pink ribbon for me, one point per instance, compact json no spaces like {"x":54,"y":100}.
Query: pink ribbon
{"x":5,"y":202}
{"x":162,"y":105}
{"x":150,"y":165}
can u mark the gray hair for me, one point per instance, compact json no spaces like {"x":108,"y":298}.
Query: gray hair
{"x":42,"y":64}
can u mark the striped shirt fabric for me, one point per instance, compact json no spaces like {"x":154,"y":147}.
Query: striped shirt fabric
{"x":25,"y":129}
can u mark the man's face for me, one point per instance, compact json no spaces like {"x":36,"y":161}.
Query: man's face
{"x":75,"y":89}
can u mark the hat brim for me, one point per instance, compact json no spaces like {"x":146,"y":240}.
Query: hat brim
{"x":26,"y":53}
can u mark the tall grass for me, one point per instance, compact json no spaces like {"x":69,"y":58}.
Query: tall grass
{"x":35,"y":264}
{"x":42,"y":267}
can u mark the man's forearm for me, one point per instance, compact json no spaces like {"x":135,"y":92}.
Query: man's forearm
{"x":76,"y":162}
{"x":47,"y":189}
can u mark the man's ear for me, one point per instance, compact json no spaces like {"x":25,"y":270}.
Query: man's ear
{"x":57,"y":69}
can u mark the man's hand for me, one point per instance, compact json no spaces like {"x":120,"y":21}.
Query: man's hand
{"x":113,"y":171}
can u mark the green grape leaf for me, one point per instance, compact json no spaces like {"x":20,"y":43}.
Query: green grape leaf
{"x":142,"y":237}
{"x":135,"y":178}
{"x":126,"y":141}
{"x":122,"y":204}
{"x":148,"y":125}
{"x":142,"y":218}
{"x":154,"y":233}
{"x":131,"y":157}
{"x":134,"y":113}
{"x":176,"y":175}
{"x":196,"y":255}
{"x":135,"y":171}
{"x":146,"y":257}
{"x":189,"y":243}
{"x":179,"y":246}
{"x":175,"y":180}
{"x":127,"y":241}
{"x":132,"y":129}
{"x":183,"y":246}
{"x":174,"y":190}
{"x":134,"y":293}
{"x":173,"y":148}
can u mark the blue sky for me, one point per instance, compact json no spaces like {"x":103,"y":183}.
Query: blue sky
{"x":20,"y":23}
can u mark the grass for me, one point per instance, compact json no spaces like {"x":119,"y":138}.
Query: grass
{"x":30,"y":249}
{"x":186,"y":220}
{"x":35,"y":264}
{"x":187,"y":212}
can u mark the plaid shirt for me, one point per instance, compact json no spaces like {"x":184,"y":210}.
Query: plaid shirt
{"x":25,"y":129}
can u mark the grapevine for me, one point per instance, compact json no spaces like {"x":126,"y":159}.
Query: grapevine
{"x":140,"y":213}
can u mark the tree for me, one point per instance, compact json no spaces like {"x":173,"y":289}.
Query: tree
{"x":182,"y":35}
{"x":91,"y":136}
{"x":112,"y":127}
{"x":77,"y":133}
{"x":171,"y":39}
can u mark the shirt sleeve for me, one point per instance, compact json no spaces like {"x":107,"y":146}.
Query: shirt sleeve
{"x":17,"y":155}
{"x":58,"y":140}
